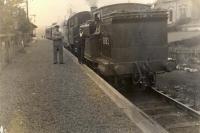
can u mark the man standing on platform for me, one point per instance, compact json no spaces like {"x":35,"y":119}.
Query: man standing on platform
{"x":57,"y":45}
{"x":81,"y":47}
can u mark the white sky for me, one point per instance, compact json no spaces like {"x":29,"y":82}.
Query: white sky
{"x":49,"y":11}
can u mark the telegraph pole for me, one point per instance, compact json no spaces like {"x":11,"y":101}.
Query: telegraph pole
{"x":27,"y":10}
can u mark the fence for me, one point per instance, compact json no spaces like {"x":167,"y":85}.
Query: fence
{"x":9,"y":45}
{"x":187,"y":56}
{"x":184,"y":55}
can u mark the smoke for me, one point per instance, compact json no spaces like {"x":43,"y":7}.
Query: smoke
{"x":92,"y":3}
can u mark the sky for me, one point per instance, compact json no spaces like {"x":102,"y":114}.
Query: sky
{"x":50,"y":11}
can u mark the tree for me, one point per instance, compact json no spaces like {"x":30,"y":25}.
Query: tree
{"x":23,"y":23}
{"x":14,"y":2}
{"x":13,"y":18}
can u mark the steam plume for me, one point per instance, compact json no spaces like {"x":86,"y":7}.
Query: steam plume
{"x":92,"y":3}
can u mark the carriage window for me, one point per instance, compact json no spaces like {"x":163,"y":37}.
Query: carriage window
{"x":97,"y":16}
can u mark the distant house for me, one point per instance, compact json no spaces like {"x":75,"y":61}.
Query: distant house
{"x":33,"y":29}
{"x":180,"y":11}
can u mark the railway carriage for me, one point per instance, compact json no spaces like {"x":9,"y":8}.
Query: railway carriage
{"x":48,"y":33}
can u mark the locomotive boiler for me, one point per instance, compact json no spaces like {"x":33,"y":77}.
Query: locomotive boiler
{"x":126,"y":41}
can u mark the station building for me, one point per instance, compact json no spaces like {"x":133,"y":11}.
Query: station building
{"x":180,"y":11}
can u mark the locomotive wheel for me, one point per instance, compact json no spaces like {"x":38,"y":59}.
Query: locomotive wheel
{"x":135,"y":79}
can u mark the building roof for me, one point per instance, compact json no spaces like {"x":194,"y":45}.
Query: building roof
{"x":33,"y":26}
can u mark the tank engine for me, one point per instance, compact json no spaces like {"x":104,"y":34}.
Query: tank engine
{"x":71,"y":30}
{"x":127,"y":41}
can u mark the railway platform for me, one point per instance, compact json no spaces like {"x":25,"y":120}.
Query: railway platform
{"x":37,"y":96}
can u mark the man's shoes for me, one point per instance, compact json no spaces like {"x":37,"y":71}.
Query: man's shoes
{"x":62,"y":63}
{"x":55,"y":63}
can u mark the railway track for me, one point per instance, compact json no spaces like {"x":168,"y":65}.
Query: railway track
{"x":171,"y":114}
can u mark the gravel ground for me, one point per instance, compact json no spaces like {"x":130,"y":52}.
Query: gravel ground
{"x":39,"y":97}
{"x":183,"y":85}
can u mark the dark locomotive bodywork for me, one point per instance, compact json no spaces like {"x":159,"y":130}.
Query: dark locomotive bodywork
{"x":71,"y":29}
{"x":127,"y":40}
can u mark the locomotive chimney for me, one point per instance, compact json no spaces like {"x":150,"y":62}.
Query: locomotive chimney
{"x":93,"y":8}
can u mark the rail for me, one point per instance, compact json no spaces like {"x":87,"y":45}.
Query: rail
{"x":185,"y":107}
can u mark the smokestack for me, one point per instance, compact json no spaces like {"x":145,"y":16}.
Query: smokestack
{"x":93,"y":8}
{"x":92,"y":3}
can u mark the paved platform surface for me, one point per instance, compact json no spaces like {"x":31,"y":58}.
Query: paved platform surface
{"x":37,"y":96}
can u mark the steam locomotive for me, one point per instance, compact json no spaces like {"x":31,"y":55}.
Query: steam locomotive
{"x":126,"y":40}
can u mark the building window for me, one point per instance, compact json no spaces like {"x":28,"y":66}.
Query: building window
{"x":170,"y":15}
{"x":183,"y":12}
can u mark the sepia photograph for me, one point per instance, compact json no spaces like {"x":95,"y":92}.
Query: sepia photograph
{"x":99,"y":66}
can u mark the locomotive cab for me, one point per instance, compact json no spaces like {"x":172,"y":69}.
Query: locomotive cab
{"x":72,"y":30}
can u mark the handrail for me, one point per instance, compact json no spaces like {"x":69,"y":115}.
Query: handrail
{"x":6,"y":35}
